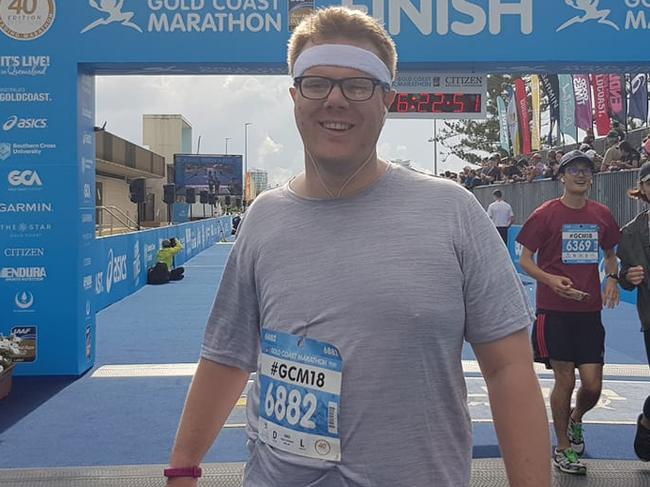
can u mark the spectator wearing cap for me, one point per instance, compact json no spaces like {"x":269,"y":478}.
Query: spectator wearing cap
{"x":593,"y":155}
{"x":492,"y":173}
{"x":630,"y":157}
{"x":613,"y":153}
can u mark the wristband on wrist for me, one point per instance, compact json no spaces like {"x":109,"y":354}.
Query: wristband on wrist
{"x":194,"y":472}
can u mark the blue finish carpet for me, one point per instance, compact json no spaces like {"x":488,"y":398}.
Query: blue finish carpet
{"x":61,"y":422}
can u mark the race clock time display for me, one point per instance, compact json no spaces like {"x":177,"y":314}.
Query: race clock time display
{"x":453,"y":103}
{"x":423,"y":94}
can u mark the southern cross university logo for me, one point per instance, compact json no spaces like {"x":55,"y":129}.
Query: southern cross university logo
{"x":590,"y":12}
{"x":113,"y":9}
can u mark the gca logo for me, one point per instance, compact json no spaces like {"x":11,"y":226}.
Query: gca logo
{"x":24,"y":178}
{"x":24,"y":123}
{"x":116,"y":270}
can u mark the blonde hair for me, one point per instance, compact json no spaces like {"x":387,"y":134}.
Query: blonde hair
{"x":341,"y":22}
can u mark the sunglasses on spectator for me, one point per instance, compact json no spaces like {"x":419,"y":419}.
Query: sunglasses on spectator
{"x":574,"y":171}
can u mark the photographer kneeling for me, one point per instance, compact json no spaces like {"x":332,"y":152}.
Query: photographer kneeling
{"x":164,"y":270}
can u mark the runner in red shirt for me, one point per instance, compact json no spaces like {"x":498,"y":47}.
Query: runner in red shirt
{"x":566,"y":234}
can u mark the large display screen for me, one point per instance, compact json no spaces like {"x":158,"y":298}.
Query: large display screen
{"x":217,"y":173}
{"x":459,"y":103}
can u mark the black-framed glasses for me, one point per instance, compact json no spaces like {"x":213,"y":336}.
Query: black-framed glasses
{"x":574,"y":171}
{"x":354,"y":89}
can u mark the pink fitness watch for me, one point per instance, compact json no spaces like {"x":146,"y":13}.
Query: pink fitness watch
{"x":194,"y":472}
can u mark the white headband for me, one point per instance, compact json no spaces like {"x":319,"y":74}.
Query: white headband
{"x":344,"y":56}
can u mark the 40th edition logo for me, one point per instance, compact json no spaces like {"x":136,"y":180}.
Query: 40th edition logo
{"x":25,"y":20}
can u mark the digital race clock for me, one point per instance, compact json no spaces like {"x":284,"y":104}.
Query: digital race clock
{"x":439,"y":95}
{"x":456,"y":103}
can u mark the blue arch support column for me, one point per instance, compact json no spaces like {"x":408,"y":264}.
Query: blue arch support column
{"x":51,"y":281}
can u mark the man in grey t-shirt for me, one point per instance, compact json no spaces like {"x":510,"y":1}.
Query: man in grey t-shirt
{"x":352,"y":310}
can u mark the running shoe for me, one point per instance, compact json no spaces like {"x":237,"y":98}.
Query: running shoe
{"x":568,"y":461}
{"x":642,"y":441}
{"x":576,"y":436}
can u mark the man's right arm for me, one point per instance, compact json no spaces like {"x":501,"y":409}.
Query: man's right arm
{"x":213,"y":393}
{"x":559,"y":284}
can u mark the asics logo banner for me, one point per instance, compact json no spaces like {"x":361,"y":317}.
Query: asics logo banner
{"x":24,"y":123}
{"x":24,"y":178}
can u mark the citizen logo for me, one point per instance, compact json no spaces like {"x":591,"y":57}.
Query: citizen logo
{"x":24,"y":252}
{"x":24,"y":178}
{"x":464,"y":80}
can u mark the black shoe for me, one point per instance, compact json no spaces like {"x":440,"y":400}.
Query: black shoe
{"x":642,"y":441}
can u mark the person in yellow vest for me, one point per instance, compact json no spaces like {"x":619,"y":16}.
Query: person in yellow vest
{"x":164,"y":270}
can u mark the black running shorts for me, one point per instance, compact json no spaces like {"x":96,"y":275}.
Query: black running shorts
{"x":577,"y":337}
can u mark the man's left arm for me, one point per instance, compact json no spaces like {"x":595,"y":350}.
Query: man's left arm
{"x":611,"y":296}
{"x":517,"y":409}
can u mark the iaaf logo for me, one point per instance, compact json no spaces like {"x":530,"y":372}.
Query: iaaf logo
{"x":24,"y":300}
{"x":23,"y":273}
{"x":24,"y":123}
{"x":116,"y":270}
{"x":24,"y":178}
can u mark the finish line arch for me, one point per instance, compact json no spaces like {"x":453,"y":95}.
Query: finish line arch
{"x":50,"y":51}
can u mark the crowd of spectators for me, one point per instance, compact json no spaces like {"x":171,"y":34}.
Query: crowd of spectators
{"x":500,"y":169}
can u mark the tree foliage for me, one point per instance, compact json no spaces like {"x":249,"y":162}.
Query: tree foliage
{"x":472,"y":139}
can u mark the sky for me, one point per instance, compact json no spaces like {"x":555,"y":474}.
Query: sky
{"x":218,"y":106}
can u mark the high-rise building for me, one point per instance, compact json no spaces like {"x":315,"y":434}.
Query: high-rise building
{"x":260,"y":179}
{"x":165,"y":135}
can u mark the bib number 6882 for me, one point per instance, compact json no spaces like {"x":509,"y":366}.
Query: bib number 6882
{"x":284,"y":405}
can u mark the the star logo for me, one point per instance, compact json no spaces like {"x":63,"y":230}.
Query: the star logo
{"x":591,"y":12}
{"x":114,"y":10}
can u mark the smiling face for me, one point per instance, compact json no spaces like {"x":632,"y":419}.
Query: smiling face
{"x":336,"y":131}
{"x":577,"y":177}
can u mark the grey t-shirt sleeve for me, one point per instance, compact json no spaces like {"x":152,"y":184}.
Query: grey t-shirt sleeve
{"x":232,"y":334}
{"x":496,"y":304}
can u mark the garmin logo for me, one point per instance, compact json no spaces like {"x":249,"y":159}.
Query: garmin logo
{"x":23,"y":273}
{"x":24,"y":252}
{"x":26,"y":208}
{"x":447,"y":15}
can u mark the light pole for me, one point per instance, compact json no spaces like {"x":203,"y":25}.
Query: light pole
{"x":246,"y":124}
{"x":434,"y":139}
{"x":227,"y":139}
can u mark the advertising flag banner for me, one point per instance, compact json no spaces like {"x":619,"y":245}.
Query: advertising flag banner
{"x":567,"y":107}
{"x":600,"y":85}
{"x":503,"y":124}
{"x":513,"y":125}
{"x":536,"y":125}
{"x":582,"y":92}
{"x":639,"y":96}
{"x":551,"y":86}
{"x":522,"y":111}
{"x":617,"y":96}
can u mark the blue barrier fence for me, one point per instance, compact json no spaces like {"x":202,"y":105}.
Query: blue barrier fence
{"x":127,"y":257}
